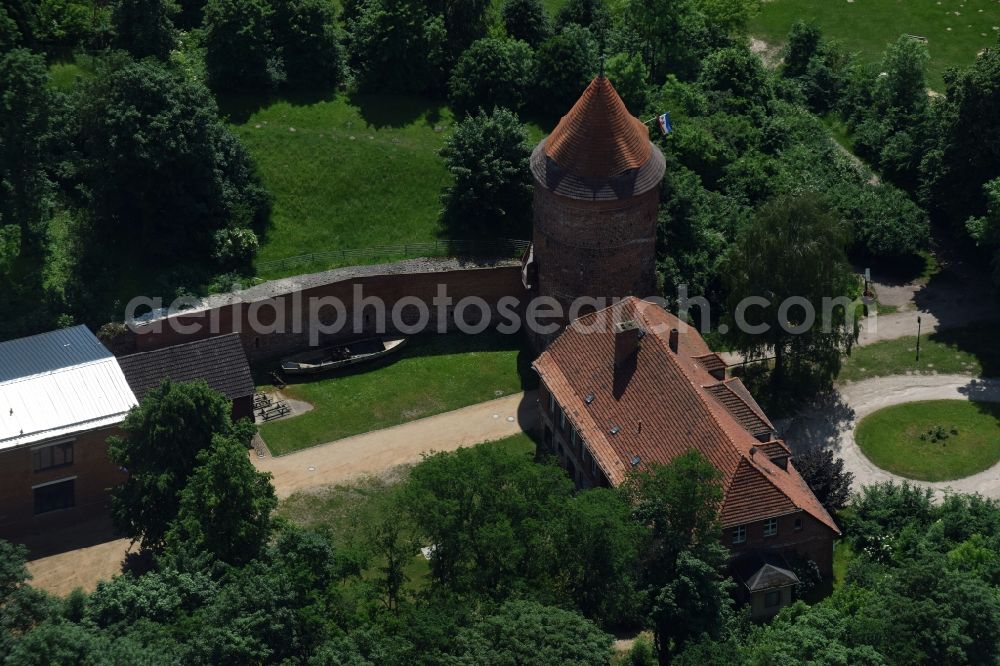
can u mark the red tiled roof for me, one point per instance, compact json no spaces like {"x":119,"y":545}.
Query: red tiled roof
{"x":599,"y":138}
{"x":662,"y":408}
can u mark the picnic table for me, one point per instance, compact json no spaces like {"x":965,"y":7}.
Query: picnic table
{"x":275,"y":411}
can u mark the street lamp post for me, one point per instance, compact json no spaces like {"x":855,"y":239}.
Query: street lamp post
{"x":918,"y":338}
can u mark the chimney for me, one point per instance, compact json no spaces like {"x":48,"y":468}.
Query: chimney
{"x":627,"y":334}
{"x":674,"y":340}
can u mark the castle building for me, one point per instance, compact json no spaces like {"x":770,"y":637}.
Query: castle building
{"x":623,"y":388}
{"x":597,"y":182}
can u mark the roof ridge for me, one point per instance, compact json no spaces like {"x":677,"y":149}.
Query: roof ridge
{"x":56,"y":371}
{"x":701,"y":397}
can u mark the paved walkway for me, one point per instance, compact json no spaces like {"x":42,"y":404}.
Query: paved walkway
{"x":377,"y":451}
{"x":832,"y":420}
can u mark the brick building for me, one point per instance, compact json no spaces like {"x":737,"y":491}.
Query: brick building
{"x":597,"y":180}
{"x":219,"y":361}
{"x":62,"y":394}
{"x":624,"y":387}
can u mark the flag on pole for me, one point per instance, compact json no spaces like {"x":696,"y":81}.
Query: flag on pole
{"x":665,"y":125}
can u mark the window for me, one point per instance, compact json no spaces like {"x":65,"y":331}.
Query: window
{"x":740,"y":534}
{"x":584,"y":454}
{"x":575,"y":439}
{"x":770,"y":527}
{"x":593,"y":467}
{"x":552,"y":404}
{"x":772,"y":599}
{"x":51,"y":456}
{"x":55,"y":496}
{"x":562,"y":419}
{"x":798,"y":523}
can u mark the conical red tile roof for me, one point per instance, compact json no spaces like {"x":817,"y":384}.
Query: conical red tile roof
{"x":599,"y":138}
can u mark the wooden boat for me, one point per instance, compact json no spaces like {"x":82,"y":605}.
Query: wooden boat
{"x":326,"y":359}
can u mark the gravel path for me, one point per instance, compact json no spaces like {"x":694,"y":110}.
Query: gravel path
{"x":832,"y":420}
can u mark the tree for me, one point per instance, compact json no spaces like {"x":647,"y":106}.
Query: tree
{"x":965,"y":152}
{"x":393,"y":44}
{"x":225,"y":506}
{"x":671,"y":35}
{"x":804,"y":43}
{"x":791,"y":260}
{"x":306,"y":32}
{"x":826,"y":477}
{"x":590,"y":14}
{"x":526,"y":20}
{"x":144,"y":27}
{"x":737,"y":74}
{"x":529,"y":634}
{"x":488,"y":158}
{"x":599,"y":560}
{"x":143,"y":125}
{"x":566,"y":62}
{"x":159,"y":449}
{"x":465,"y":21}
{"x":239,"y":53}
{"x":490,"y":516}
{"x":492,"y":72}
{"x":630,"y":78}
{"x":679,"y":504}
{"x":985,"y":230}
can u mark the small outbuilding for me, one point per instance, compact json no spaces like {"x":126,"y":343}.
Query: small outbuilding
{"x":219,"y":360}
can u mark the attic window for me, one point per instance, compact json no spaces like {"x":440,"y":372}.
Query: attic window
{"x":635,"y":461}
{"x":615,"y":430}
{"x":589,"y":399}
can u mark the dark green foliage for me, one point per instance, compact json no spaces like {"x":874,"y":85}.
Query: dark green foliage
{"x":238,"y":45}
{"x":524,"y":633}
{"x":792,"y":249}
{"x":391,"y":46}
{"x":985,"y":230}
{"x":526,"y":20}
{"x":465,"y":21}
{"x":672,"y":36}
{"x":492,"y":73}
{"x":486,"y":536}
{"x":10,"y":35}
{"x":226,"y":504}
{"x":881,"y":511}
{"x":817,"y":67}
{"x":161,"y":173}
{"x":160,"y":447}
{"x":566,"y":62}
{"x":826,"y":477}
{"x":630,"y":77}
{"x":305,"y":31}
{"x":144,"y":27}
{"x":687,"y":593}
{"x":965,"y":152}
{"x":491,"y":195}
{"x":30,"y":138}
{"x":885,"y":220}
{"x":738,"y":75}
{"x":590,"y":14}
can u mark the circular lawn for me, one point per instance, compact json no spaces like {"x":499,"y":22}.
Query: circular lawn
{"x":933,"y":440}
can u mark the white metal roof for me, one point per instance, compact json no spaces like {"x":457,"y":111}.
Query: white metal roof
{"x":57,"y":384}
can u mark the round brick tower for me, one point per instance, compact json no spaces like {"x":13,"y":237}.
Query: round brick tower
{"x":597,"y":182}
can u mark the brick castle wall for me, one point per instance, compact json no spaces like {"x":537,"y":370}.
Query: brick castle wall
{"x":284,"y":320}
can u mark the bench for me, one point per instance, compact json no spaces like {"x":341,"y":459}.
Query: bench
{"x":275,"y":412}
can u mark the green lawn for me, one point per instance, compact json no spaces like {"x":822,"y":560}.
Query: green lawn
{"x":347,"y":173}
{"x":896,"y":438}
{"x":969,"y":350}
{"x":433,"y":374}
{"x":868,"y":26}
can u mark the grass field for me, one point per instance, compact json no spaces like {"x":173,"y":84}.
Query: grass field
{"x":433,"y":374}
{"x":347,"y":174}
{"x":956,"y":30}
{"x":969,"y":351}
{"x":895,"y":438}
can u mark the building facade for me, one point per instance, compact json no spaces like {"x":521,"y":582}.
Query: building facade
{"x":62,"y":394}
{"x":631,"y":385}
